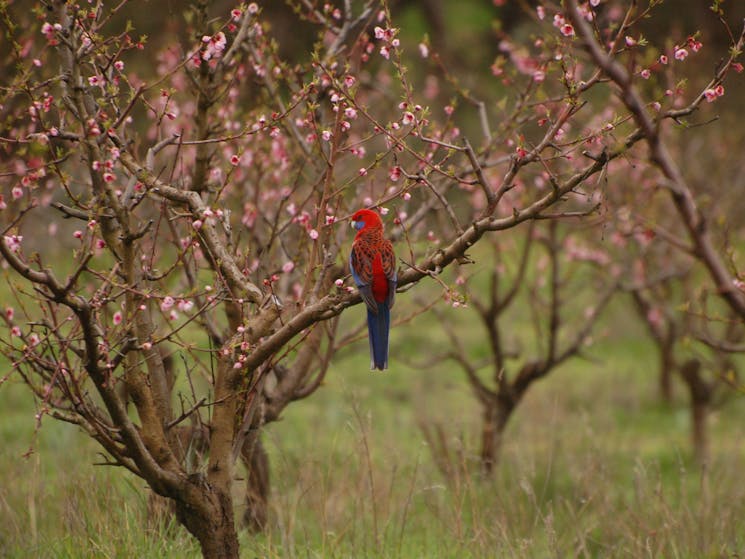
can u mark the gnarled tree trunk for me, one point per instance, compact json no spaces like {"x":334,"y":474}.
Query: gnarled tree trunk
{"x":210,"y":520}
{"x":257,"y":483}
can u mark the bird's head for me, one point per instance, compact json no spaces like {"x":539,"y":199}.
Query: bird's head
{"x":363,"y":219}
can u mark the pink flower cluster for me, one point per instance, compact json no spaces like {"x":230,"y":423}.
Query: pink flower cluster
{"x":712,"y":94}
{"x":388,"y":36}
{"x":214,"y":45}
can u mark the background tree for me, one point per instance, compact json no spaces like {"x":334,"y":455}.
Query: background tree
{"x":546,"y":278}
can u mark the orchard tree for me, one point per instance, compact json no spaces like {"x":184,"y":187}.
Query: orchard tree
{"x":177,"y":205}
{"x":564,"y":285}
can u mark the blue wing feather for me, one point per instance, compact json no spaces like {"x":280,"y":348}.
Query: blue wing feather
{"x":365,"y":289}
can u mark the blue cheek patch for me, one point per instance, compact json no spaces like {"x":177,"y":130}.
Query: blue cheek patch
{"x":358,"y":224}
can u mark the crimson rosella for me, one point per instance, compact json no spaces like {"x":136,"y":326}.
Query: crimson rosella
{"x":373,"y":267}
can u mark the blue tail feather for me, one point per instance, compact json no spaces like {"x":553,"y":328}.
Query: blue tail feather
{"x":378,"y":326}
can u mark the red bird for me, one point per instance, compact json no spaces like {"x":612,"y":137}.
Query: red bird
{"x":373,"y":267}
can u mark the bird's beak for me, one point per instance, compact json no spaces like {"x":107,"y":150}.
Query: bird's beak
{"x":353,"y":224}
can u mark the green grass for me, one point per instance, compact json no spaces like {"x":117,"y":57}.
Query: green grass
{"x":593,"y":466}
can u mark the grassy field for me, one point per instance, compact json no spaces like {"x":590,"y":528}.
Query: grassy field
{"x":593,"y":466}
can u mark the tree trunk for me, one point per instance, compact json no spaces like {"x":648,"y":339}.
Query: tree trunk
{"x":496,"y":414}
{"x":701,"y":392}
{"x":699,"y":435}
{"x":191,"y":445}
{"x":257,"y":484}
{"x":212,"y":524}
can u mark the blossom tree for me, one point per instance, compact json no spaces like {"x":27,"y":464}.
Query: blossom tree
{"x":173,"y":209}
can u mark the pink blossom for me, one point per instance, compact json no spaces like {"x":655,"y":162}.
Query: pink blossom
{"x":408,"y":118}
{"x":15,"y":331}
{"x":109,"y":177}
{"x":567,"y":30}
{"x":349,"y":80}
{"x":185,"y":305}
{"x":385,"y":52}
{"x":236,"y":14}
{"x":645,"y":73}
{"x":350,"y":112}
{"x":288,"y":266}
{"x":384,"y":211}
{"x":663,"y":59}
{"x":197,"y":224}
{"x":13,"y":242}
{"x":710,"y":95}
{"x":78,"y":234}
{"x":423,"y":50}
{"x":630,"y":41}
{"x":117,"y":319}
{"x":362,"y":172}
{"x":253,"y":8}
{"x":681,"y":54}
{"x":449,"y":110}
{"x":559,"y":20}
{"x":406,"y":196}
{"x":235,"y":159}
{"x":719,"y":90}
{"x":395,"y":173}
{"x":326,"y":135}
{"x":119,"y":65}
{"x":539,"y":76}
{"x":541,"y":12}
{"x":167,"y":303}
{"x":594,"y":3}
{"x":93,"y":128}
{"x":339,"y":282}
{"x":737,"y":67}
{"x":10,"y":313}
{"x":313,"y":234}
{"x":379,"y":32}
{"x":16,"y":192}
